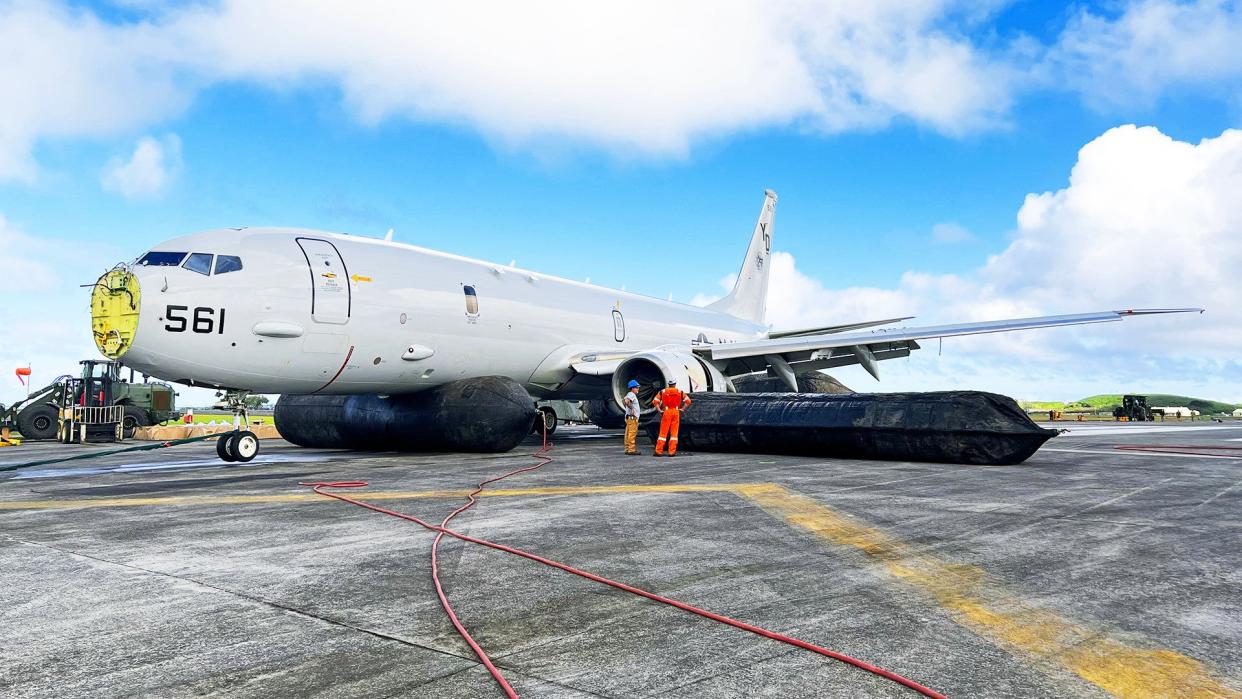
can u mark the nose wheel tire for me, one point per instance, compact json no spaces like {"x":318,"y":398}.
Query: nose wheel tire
{"x":245,"y":446}
{"x":222,"y":447}
{"x":237,"y":446}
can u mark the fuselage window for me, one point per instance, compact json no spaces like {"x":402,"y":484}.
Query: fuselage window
{"x":199,"y":262}
{"x":161,"y":259}
{"x":472,"y":301}
{"x":618,"y":326}
{"x":227,"y":263}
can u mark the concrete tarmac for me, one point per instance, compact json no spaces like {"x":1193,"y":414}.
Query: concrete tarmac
{"x":1088,"y":571}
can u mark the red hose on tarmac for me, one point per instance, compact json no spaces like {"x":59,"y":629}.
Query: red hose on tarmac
{"x":435,"y":551}
{"x":435,"y":568}
{"x":487,"y":662}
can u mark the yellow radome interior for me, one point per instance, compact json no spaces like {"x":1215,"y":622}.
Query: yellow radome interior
{"x":114,"y":312}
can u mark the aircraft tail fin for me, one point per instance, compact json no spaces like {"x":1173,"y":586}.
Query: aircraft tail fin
{"x":749,"y":298}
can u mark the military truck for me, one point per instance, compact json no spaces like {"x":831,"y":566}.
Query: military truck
{"x":146,"y":403}
{"x":554,"y":412}
{"x":1134,"y":409}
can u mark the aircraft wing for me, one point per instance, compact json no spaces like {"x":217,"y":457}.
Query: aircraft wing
{"x":835,"y":328}
{"x":786,"y":356}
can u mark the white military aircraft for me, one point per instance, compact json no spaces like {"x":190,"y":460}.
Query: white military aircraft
{"x":293,"y":311}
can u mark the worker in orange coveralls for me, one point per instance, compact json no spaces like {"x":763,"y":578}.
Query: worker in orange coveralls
{"x":670,"y":402}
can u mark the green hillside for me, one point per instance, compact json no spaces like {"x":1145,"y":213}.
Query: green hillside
{"x":1041,"y":405}
{"x":1108,"y":401}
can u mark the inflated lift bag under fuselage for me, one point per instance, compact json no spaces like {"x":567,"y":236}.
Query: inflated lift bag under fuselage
{"x":961,"y":427}
{"x":486,"y":414}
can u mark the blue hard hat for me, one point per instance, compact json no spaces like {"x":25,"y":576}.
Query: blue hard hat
{"x":632,"y":384}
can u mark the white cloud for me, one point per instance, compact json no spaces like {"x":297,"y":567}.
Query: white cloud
{"x":148,"y":171}
{"x":23,"y":263}
{"x":950,"y":233}
{"x":46,"y":315}
{"x":643,"y":77}
{"x":1146,"y":221}
{"x":640,"y":79}
{"x":65,"y":73}
{"x":1152,"y":47}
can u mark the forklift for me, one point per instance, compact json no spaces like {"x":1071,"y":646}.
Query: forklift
{"x":43,"y":413}
{"x":86,"y":411}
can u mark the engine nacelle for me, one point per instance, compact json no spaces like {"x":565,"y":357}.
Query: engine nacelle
{"x":653,"y":370}
{"x":487,"y":414}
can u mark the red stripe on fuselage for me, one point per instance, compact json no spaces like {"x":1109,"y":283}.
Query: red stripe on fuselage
{"x":338,"y":371}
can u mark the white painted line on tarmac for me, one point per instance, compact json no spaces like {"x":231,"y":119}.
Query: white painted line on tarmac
{"x":1214,"y":497}
{"x":1133,"y":452}
{"x":163,"y":466}
{"x":1145,"y":429}
{"x":1118,"y":498}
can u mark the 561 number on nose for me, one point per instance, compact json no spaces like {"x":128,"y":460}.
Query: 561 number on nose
{"x":204,"y":320}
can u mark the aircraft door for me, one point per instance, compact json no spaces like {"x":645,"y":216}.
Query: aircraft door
{"x":330,"y":292}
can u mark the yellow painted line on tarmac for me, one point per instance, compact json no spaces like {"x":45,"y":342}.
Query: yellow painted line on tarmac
{"x":978,"y":603}
{"x":359,"y":494}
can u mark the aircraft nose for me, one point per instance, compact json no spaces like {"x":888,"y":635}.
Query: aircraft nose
{"x":115,"y":300}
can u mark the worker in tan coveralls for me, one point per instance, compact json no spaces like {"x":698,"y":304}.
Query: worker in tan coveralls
{"x":632,"y":408}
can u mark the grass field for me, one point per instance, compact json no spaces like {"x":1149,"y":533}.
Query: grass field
{"x":225,"y":419}
{"x":1108,"y":401}
{"x":205,"y":419}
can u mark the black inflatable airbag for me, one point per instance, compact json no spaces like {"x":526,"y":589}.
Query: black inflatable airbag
{"x":487,"y":414}
{"x":963,"y":427}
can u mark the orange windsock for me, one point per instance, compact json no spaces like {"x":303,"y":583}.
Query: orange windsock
{"x":22,"y":371}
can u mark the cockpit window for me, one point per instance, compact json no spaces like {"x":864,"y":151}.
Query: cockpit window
{"x":161,"y":259}
{"x":227,"y":263}
{"x":199,"y":262}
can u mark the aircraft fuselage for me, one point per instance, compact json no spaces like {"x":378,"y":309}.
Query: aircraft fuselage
{"x":314,"y":312}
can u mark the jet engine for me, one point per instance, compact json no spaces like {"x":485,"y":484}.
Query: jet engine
{"x":653,"y":370}
{"x":486,"y":414}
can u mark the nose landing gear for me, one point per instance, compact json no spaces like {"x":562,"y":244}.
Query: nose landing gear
{"x":240,"y":445}
{"x":237,"y":446}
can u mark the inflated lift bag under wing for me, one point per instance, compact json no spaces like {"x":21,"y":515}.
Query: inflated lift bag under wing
{"x":487,"y":414}
{"x":961,"y":427}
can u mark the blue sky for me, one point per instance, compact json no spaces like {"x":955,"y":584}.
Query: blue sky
{"x":897,"y":188}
